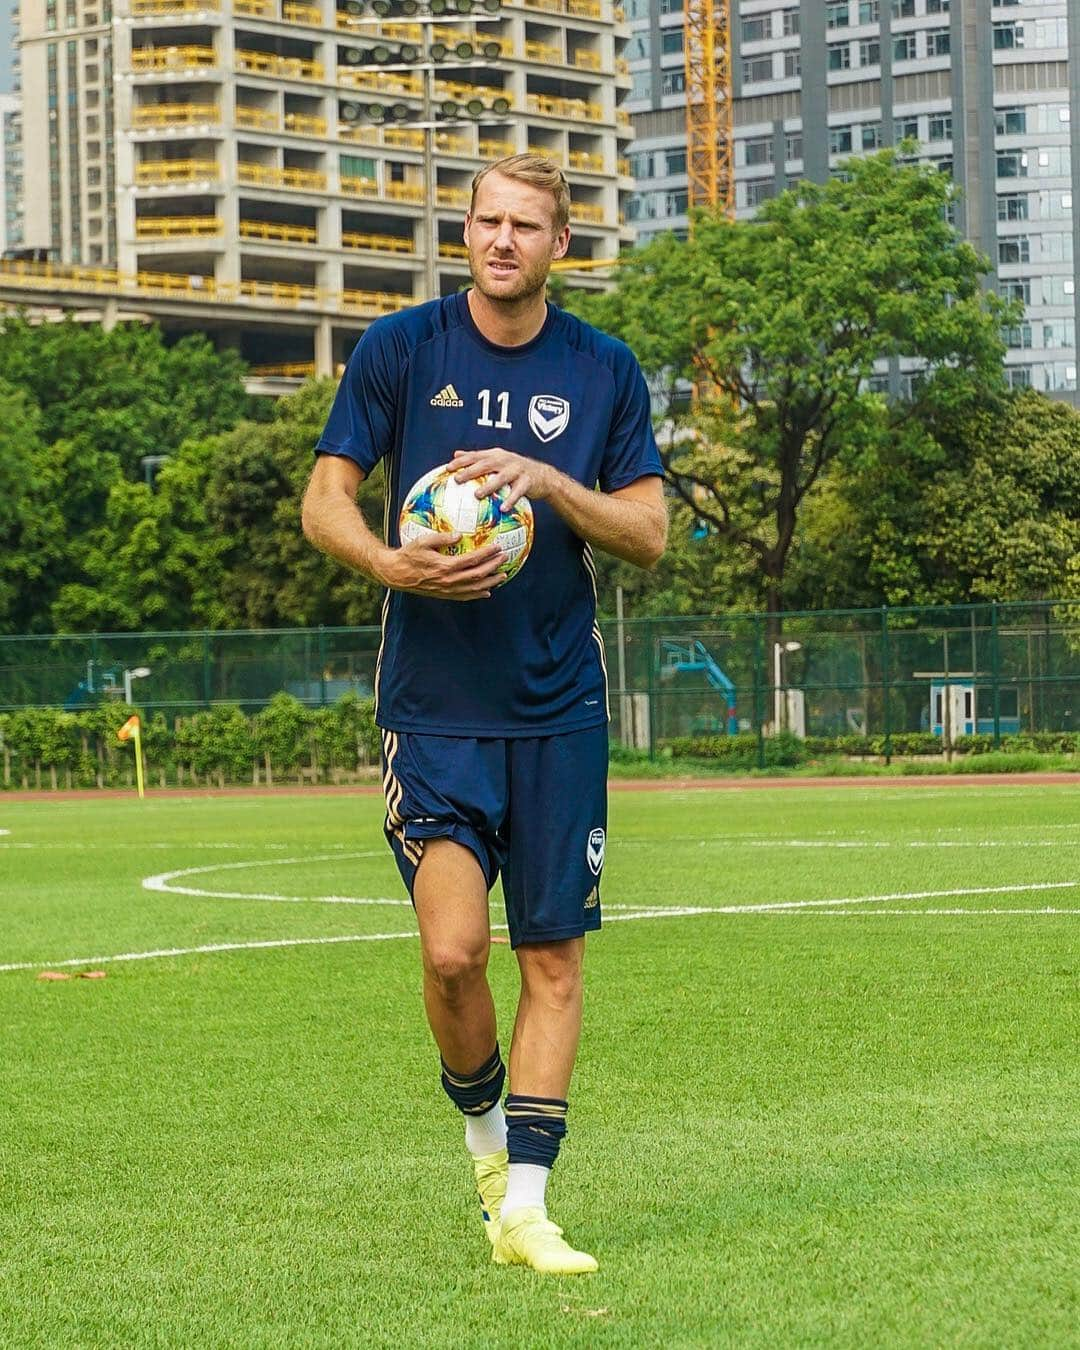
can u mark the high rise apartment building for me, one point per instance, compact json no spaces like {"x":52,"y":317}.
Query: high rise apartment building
{"x":227,"y":153}
{"x":11,"y":171}
{"x":981,"y":85}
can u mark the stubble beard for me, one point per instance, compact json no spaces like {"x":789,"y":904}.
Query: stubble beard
{"x":529,"y":281}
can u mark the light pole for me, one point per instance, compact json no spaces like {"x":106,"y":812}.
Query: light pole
{"x":475,"y":11}
{"x":138,"y":673}
{"x":779,"y":648}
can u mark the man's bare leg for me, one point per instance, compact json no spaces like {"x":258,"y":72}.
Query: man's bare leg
{"x":451,"y":900}
{"x":548,"y":1025}
{"x":542,"y":1054}
{"x":546,"y":1035}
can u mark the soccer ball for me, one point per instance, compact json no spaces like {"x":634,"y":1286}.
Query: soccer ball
{"x":437,"y":505}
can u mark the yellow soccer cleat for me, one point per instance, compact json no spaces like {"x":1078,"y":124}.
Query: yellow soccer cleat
{"x":491,"y":1173}
{"x":529,"y":1238}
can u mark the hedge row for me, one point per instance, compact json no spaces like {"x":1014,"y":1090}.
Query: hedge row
{"x":789,"y":750}
{"x":286,"y":741}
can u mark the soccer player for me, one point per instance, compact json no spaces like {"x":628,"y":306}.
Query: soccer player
{"x":492,"y":699}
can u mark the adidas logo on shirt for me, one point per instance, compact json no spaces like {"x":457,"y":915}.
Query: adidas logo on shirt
{"x":447,"y":397}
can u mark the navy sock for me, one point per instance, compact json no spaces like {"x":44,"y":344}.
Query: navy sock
{"x":476,"y":1093}
{"x":535,"y":1127}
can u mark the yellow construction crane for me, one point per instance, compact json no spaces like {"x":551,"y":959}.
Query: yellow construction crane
{"x":709,"y":117}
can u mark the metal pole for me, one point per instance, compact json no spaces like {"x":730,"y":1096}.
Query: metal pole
{"x":127,"y":687}
{"x":885,"y":678}
{"x":995,"y":674}
{"x":431,"y":227}
{"x":625,"y":729}
{"x":759,"y":670}
{"x":778,"y":698}
{"x":652,"y":684}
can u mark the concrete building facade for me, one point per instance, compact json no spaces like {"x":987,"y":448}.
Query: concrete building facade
{"x":982,"y":86}
{"x":221,"y":156}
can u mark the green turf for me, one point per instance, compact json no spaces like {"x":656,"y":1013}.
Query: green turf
{"x":830,"y":1126}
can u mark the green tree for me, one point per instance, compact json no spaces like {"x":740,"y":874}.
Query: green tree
{"x":994,"y":517}
{"x":783,"y":317}
{"x":101,"y":402}
{"x":31,"y":531}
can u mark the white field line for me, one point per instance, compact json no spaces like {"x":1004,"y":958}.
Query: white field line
{"x":163,"y":881}
{"x":780,"y":907}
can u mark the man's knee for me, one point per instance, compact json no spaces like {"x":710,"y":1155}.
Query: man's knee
{"x":553,"y":970}
{"x":455,"y":967}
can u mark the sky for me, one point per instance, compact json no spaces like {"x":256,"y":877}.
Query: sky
{"x":6,"y":46}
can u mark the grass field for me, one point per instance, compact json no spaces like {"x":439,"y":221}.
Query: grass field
{"x":853,"y":1120}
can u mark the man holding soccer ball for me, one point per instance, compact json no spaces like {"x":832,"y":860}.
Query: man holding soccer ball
{"x":491,"y":692}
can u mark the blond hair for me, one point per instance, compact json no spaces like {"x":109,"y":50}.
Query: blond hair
{"x":538,"y":171}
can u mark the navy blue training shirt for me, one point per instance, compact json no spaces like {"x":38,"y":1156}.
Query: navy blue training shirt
{"x":425,"y":382}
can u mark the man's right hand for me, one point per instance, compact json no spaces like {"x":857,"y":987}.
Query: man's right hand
{"x":422,"y":568}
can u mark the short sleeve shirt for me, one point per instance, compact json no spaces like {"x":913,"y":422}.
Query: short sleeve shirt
{"x":420,"y":384}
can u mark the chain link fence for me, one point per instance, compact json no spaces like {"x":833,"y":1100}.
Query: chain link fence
{"x":979,"y":670}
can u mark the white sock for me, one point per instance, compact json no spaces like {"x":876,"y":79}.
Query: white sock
{"x":525,"y":1188}
{"x":487,"y":1133}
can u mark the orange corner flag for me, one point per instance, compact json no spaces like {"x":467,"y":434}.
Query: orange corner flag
{"x":129,"y":729}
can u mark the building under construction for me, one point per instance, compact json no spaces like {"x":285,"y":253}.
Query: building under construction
{"x":278,"y":174}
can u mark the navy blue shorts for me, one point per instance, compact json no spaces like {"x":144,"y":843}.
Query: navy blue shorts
{"x":534,"y":809}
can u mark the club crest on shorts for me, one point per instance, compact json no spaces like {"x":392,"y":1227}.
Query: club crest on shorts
{"x":594,"y":851}
{"x":549,"y":416}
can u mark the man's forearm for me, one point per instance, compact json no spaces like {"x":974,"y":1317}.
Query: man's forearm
{"x":635,"y":531}
{"x":335,"y":525}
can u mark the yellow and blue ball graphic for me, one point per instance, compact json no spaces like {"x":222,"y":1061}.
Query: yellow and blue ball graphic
{"x":438,"y":505}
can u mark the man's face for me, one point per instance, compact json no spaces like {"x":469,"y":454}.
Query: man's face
{"x":511,"y":238}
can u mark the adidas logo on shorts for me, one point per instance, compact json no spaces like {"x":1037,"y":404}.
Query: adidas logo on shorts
{"x":447,"y":397}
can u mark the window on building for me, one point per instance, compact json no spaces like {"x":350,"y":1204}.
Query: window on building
{"x":903,"y":9}
{"x":671,"y":41}
{"x":793,"y":147}
{"x":758,"y":150}
{"x":641,"y":164}
{"x":1015,"y":249}
{"x":671,"y":6}
{"x":1059,"y":333}
{"x":837,"y":14}
{"x":839,"y":140}
{"x":1010,"y":121}
{"x":675,"y":161}
{"x":676,"y":203}
{"x":1012,"y":164}
{"x":759,"y":190}
{"x":1018,"y":336}
{"x":757,"y":69}
{"x":869,"y":11}
{"x":1016,"y":288}
{"x":938,"y":42}
{"x":791,"y":23}
{"x":1018,"y":377}
{"x":937,"y":6}
{"x":903,"y":47}
{"x":870,"y":52}
{"x":673,"y":82}
{"x":839,"y":55}
{"x":906,"y":129}
{"x":940,"y":127}
{"x":792,"y":65}
{"x":1008,"y":36}
{"x":757,"y":29}
{"x":1012,"y":206}
{"x":870,"y":137}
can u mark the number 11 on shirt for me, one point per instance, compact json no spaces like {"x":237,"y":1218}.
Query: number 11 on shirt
{"x":503,"y":400}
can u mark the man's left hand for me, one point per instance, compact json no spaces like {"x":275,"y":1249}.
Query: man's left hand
{"x":524,"y":477}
